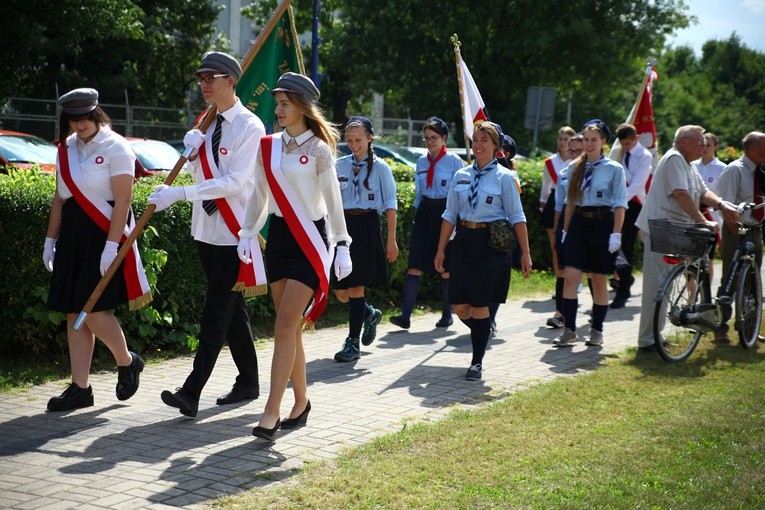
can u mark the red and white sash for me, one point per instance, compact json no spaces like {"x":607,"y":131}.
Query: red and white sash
{"x":100,"y":211}
{"x":301,"y":226}
{"x":252,"y":277}
{"x":551,"y":170}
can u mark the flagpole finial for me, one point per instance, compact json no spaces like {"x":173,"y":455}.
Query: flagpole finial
{"x":456,"y":42}
{"x":651,"y":61}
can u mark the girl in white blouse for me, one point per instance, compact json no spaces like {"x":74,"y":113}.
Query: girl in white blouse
{"x":297,"y":186}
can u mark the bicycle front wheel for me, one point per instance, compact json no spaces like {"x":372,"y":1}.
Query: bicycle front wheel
{"x":748,"y":305}
{"x":683,"y":291}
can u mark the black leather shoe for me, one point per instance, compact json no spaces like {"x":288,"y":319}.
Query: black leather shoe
{"x":444,"y":322}
{"x":239,"y":393}
{"x":302,"y":419}
{"x":127,"y":378}
{"x":619,"y":302}
{"x":400,"y":321}
{"x":73,"y":397}
{"x":183,"y":400}
{"x":267,"y":434}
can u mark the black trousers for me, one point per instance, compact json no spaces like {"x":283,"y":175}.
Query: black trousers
{"x":224,"y":318}
{"x":629,"y":236}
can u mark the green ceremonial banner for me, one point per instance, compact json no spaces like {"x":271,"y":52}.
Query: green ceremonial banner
{"x":279,"y":54}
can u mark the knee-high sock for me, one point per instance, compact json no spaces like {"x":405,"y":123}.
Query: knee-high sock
{"x":446,"y":307}
{"x":559,"y":294}
{"x":569,"y":312}
{"x":479,"y":336}
{"x":467,"y":322}
{"x":356,"y":308}
{"x":493,"y":307}
{"x":411,"y":289}
{"x":598,"y":316}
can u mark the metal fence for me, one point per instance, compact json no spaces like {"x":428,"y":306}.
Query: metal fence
{"x":40,"y":117}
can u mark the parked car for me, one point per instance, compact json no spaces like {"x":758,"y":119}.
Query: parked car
{"x":177,"y":145}
{"x":152,"y":156}
{"x":399,"y":154}
{"x":23,"y":150}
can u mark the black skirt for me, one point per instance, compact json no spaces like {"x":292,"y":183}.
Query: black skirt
{"x":76,"y":268}
{"x":586,"y":245}
{"x":424,"y":238}
{"x":479,"y":275}
{"x":283,"y":256}
{"x":367,"y":253}
{"x":548,"y":212}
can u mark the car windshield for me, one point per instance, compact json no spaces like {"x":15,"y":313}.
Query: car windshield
{"x":155,"y":155}
{"x":27,"y":149}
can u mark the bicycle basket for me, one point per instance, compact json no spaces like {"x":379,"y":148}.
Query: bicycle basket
{"x":685,"y":239}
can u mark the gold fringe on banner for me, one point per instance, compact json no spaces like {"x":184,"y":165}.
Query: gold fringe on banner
{"x":257,"y":290}
{"x":140,"y":301}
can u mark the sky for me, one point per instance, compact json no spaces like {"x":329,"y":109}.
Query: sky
{"x":718,"y":19}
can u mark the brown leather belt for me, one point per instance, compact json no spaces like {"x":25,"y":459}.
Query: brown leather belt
{"x":356,"y":212}
{"x":473,"y":224}
{"x":433,"y":201}
{"x":603,"y":212}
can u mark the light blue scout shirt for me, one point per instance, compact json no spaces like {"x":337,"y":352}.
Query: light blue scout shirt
{"x":498,"y":196}
{"x":442,"y":177}
{"x":381,"y":194}
{"x":608,"y":187}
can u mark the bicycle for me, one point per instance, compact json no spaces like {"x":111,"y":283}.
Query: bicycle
{"x":685,"y":309}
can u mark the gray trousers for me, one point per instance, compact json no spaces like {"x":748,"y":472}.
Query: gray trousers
{"x":653,"y":269}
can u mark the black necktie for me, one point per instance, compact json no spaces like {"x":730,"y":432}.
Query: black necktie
{"x":627,"y":160}
{"x":209,"y":205}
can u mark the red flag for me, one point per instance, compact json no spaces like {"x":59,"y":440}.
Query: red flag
{"x":641,"y":115}
{"x":473,"y":107}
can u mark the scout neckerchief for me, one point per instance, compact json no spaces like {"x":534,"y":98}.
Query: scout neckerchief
{"x":432,"y":167}
{"x":303,"y":229}
{"x":252,"y":277}
{"x":100,"y":211}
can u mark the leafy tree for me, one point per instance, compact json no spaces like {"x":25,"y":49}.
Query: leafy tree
{"x":147,"y":47}
{"x":401,"y":48}
{"x":722,"y":91}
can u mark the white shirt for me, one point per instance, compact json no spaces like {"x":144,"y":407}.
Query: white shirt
{"x":638,"y":172}
{"x":710,"y":172}
{"x":239,"y":145}
{"x":309,"y":167}
{"x":547,"y":180}
{"x":105,"y":156}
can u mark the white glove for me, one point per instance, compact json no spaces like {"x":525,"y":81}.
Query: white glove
{"x":49,"y":253}
{"x":343,"y":264}
{"x":614,"y":242}
{"x":244,"y":251}
{"x":562,"y":236}
{"x":108,"y":255}
{"x":194,"y":138}
{"x":164,"y":196}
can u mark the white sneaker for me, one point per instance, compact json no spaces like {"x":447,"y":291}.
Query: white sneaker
{"x":566,"y":339}
{"x":596,"y":338}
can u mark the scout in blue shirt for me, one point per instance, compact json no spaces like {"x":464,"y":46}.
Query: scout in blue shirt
{"x":433,"y":179}
{"x":594,"y":188}
{"x":480,"y":194}
{"x":368,"y":190}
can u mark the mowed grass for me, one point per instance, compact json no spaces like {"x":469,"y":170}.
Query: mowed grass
{"x":636,"y":433}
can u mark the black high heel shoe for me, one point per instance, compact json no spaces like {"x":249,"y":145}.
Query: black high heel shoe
{"x":302,"y":419}
{"x":267,"y":434}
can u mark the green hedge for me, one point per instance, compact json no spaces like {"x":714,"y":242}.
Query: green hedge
{"x":170,"y":322}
